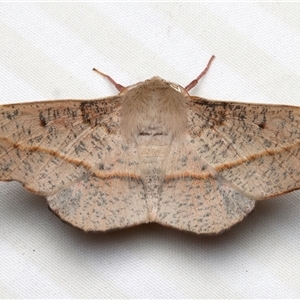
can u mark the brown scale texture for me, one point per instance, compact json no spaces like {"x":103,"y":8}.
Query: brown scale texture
{"x":151,"y":154}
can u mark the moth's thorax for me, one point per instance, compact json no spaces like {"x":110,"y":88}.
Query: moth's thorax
{"x":153,"y":115}
{"x":153,"y":110}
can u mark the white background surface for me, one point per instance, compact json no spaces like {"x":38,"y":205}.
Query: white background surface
{"x":47,"y":51}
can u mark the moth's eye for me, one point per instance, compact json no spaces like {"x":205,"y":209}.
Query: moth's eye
{"x":176,"y":87}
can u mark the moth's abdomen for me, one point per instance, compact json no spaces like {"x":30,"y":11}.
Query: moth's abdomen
{"x":153,"y":151}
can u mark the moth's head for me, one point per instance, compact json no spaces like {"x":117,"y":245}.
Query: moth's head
{"x":154,"y":103}
{"x":155,"y":84}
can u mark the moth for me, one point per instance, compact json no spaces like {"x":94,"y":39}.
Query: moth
{"x":152,"y":153}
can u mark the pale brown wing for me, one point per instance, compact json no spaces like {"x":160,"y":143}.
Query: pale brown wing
{"x":255,"y":147}
{"x":202,"y":206}
{"x":235,"y":153}
{"x":94,"y":204}
{"x":71,"y":152}
{"x":194,"y":198}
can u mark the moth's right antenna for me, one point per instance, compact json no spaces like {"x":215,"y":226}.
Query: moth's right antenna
{"x":118,"y":86}
{"x":195,"y":81}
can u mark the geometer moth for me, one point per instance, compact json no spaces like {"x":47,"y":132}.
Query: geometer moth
{"x":152,"y":153}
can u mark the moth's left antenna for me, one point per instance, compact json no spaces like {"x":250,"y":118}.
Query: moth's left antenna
{"x":195,"y":81}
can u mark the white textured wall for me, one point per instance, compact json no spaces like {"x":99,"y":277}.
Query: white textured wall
{"x":47,"y":51}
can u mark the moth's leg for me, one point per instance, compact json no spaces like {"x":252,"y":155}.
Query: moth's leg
{"x":118,"y":86}
{"x":195,"y":81}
